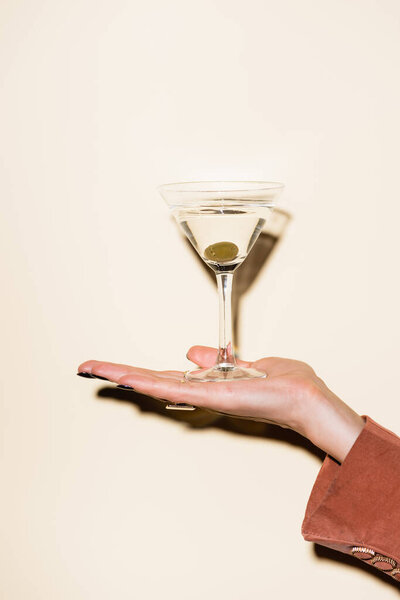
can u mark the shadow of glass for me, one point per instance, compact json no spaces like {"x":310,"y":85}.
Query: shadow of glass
{"x":248,"y":272}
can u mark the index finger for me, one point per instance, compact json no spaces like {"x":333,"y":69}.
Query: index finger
{"x":173,"y":389}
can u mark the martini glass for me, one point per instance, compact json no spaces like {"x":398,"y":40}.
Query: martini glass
{"x":222,"y":220}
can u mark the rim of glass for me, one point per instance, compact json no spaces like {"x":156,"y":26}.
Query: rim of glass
{"x":220,"y":186}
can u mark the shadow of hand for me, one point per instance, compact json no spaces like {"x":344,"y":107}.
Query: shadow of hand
{"x":206,"y":419}
{"x":201,"y":419}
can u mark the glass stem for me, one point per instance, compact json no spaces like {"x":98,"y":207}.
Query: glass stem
{"x":226,"y":358}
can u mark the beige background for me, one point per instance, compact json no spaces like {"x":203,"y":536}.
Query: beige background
{"x":99,"y":103}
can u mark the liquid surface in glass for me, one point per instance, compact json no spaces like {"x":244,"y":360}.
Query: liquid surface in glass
{"x":223,"y":234}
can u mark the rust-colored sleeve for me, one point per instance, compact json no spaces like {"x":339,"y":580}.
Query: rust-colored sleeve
{"x":354,"y":507}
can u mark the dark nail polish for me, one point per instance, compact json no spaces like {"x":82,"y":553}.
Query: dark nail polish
{"x":100,"y":377}
{"x":125,"y":387}
{"x":87,"y":375}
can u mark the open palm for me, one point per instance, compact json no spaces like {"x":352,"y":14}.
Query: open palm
{"x":276,"y":399}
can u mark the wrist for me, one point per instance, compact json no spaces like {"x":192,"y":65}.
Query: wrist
{"x":331,"y":424}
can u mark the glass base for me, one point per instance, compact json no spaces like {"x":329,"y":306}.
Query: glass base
{"x":223,"y":374}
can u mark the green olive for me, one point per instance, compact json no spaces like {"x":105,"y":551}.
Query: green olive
{"x":221,"y":252}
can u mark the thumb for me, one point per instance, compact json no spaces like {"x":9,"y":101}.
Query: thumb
{"x":204,"y":356}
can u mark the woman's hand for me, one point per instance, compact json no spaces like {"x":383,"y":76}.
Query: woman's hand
{"x":291,"y":396}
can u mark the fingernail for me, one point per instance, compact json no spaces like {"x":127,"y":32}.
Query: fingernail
{"x":180,"y":406}
{"x":87,"y":375}
{"x":125,"y":387}
{"x":100,"y":377}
